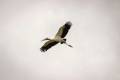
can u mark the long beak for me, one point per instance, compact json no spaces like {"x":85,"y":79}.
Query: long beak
{"x":43,"y":40}
{"x":69,"y":45}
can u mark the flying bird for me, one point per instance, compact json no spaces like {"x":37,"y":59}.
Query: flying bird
{"x":59,"y":37}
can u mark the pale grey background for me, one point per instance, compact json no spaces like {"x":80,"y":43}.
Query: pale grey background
{"x":95,"y":35}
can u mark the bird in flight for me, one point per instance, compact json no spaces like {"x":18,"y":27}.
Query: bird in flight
{"x":59,"y":37}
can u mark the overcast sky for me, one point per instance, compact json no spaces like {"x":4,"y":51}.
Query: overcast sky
{"x":95,"y":36}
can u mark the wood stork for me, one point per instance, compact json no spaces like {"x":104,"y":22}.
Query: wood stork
{"x":59,"y":37}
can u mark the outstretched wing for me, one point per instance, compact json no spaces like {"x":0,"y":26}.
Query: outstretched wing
{"x":48,"y":45}
{"x":62,"y":32}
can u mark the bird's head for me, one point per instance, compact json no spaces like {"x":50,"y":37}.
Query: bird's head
{"x":45,"y":39}
{"x":68,"y":23}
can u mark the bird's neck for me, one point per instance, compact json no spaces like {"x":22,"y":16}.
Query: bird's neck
{"x":48,"y":39}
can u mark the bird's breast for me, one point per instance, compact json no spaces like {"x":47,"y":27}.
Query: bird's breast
{"x":59,"y":39}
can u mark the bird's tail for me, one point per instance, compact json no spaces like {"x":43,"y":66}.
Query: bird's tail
{"x":65,"y":40}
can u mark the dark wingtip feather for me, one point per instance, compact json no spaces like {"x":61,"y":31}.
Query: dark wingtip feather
{"x":48,"y":45}
{"x":42,"y":49}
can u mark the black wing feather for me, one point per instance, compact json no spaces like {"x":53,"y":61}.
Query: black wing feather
{"x":48,"y":45}
{"x":65,"y":30}
{"x":62,"y":32}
